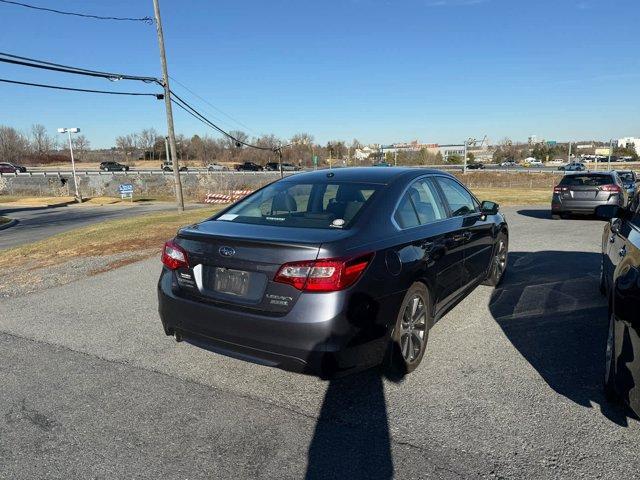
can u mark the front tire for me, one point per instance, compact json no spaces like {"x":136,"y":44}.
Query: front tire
{"x":609,"y":369}
{"x":411,"y":332}
{"x":498,"y":266}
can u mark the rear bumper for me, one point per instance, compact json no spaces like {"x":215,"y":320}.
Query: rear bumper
{"x":586,"y":207}
{"x":323,"y":334}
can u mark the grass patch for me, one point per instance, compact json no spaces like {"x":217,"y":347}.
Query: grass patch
{"x":142,"y":234}
{"x":514,"y":196}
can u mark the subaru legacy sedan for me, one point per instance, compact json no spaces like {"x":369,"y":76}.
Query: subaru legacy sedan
{"x":330,"y":272}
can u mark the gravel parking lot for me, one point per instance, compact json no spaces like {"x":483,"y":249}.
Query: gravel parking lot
{"x":510,"y":386}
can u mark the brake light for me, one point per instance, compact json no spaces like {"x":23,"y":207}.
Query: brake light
{"x":327,"y":275}
{"x":612,"y":187}
{"x":173,"y":256}
{"x":559,"y":189}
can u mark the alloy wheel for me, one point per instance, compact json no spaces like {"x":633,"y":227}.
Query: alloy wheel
{"x":413,"y":328}
{"x":500,"y":260}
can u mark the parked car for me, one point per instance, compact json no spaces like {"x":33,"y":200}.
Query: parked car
{"x":475,"y":166}
{"x":248,"y":167}
{"x":286,"y":167}
{"x":582,"y":193}
{"x":620,"y":283}
{"x":6,"y":167}
{"x":113,"y":167}
{"x":629,"y":181}
{"x":216,"y":167}
{"x":573,"y":167}
{"x":332,"y":271}
{"x":381,"y":164}
{"x":168,"y":167}
{"x":509,"y":163}
{"x":532,"y":162}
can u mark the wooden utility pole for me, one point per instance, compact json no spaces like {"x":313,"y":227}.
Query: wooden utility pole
{"x":167,"y":102}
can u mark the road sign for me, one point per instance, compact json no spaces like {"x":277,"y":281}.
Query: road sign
{"x":552,"y":143}
{"x":126,"y":191}
{"x":315,"y":160}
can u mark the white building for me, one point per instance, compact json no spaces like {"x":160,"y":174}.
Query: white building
{"x":630,"y":142}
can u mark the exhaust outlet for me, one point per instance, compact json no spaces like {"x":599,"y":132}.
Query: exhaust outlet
{"x":178,"y":337}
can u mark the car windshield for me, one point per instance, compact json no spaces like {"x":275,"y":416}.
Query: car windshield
{"x":308,"y":205}
{"x":588,"y":180}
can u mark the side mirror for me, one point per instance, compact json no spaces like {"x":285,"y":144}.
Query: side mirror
{"x":607,"y":212}
{"x":489,"y":208}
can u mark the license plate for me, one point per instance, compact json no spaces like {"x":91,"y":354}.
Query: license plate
{"x":583,"y":194}
{"x":232,"y":282}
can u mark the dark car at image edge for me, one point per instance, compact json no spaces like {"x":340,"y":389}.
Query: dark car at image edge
{"x":331,"y":272}
{"x":113,"y":167}
{"x":620,"y":283}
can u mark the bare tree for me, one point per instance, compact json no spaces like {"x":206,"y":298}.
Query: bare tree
{"x":147,"y":140}
{"x":80,"y":144}
{"x":126,"y":144}
{"x":13,"y":145}
{"x":41,"y":142}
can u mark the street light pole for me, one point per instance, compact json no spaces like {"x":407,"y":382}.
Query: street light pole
{"x":69,"y":131}
{"x":167,"y":103}
{"x":464,"y":166}
{"x":610,"y":153}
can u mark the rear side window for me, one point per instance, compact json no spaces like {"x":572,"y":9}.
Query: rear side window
{"x":419,"y":206}
{"x":587,"y":180}
{"x":459,"y":199}
{"x":306,"y":205}
{"x":627,"y":176}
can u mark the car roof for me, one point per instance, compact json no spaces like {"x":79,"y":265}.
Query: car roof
{"x":363,"y":174}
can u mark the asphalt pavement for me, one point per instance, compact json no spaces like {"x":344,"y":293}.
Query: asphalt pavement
{"x":510,"y":386}
{"x":38,"y":223}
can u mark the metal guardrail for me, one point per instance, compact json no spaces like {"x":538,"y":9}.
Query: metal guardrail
{"x":58,"y":173}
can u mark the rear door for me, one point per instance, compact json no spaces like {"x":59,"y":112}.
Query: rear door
{"x":422,"y":217}
{"x":474,"y":234}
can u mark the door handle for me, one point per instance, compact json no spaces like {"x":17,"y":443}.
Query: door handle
{"x":623,"y":251}
{"x":461,"y":237}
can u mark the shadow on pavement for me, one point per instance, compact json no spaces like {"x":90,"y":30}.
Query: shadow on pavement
{"x":545,"y":214}
{"x":551,"y":310}
{"x":351,"y":438}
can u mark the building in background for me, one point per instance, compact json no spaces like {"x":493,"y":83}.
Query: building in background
{"x":630,"y":142}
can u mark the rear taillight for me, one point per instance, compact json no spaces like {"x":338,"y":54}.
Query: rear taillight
{"x":327,"y":275}
{"x":173,"y":256}
{"x":612,"y":187}
{"x":559,"y":189}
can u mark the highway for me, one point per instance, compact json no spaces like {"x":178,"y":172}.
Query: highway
{"x":39,"y":223}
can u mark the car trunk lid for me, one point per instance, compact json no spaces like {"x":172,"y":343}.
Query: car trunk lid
{"x":233,"y":264}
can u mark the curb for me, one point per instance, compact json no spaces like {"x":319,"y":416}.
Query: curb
{"x":41,"y":205}
{"x":11,"y":223}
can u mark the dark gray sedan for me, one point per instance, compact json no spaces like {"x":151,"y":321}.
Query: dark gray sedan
{"x":582,"y":193}
{"x":332,"y":271}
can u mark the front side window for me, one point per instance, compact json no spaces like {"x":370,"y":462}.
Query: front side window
{"x":459,"y":199}
{"x":418,"y":206}
{"x":306,"y":205}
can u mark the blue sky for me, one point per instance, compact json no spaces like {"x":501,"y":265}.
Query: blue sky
{"x":379,"y":71}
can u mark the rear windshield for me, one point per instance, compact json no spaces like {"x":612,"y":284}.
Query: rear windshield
{"x":587,"y":180}
{"x":308,"y":205}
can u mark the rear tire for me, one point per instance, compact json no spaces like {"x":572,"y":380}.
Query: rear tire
{"x":410,"y":333}
{"x":498,"y":266}
{"x":555,"y":216}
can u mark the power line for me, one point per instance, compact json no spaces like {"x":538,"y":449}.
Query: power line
{"x":41,"y":64}
{"x":210,"y":104}
{"x":147,"y":20}
{"x":194,"y":113}
{"x":158,"y":96}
